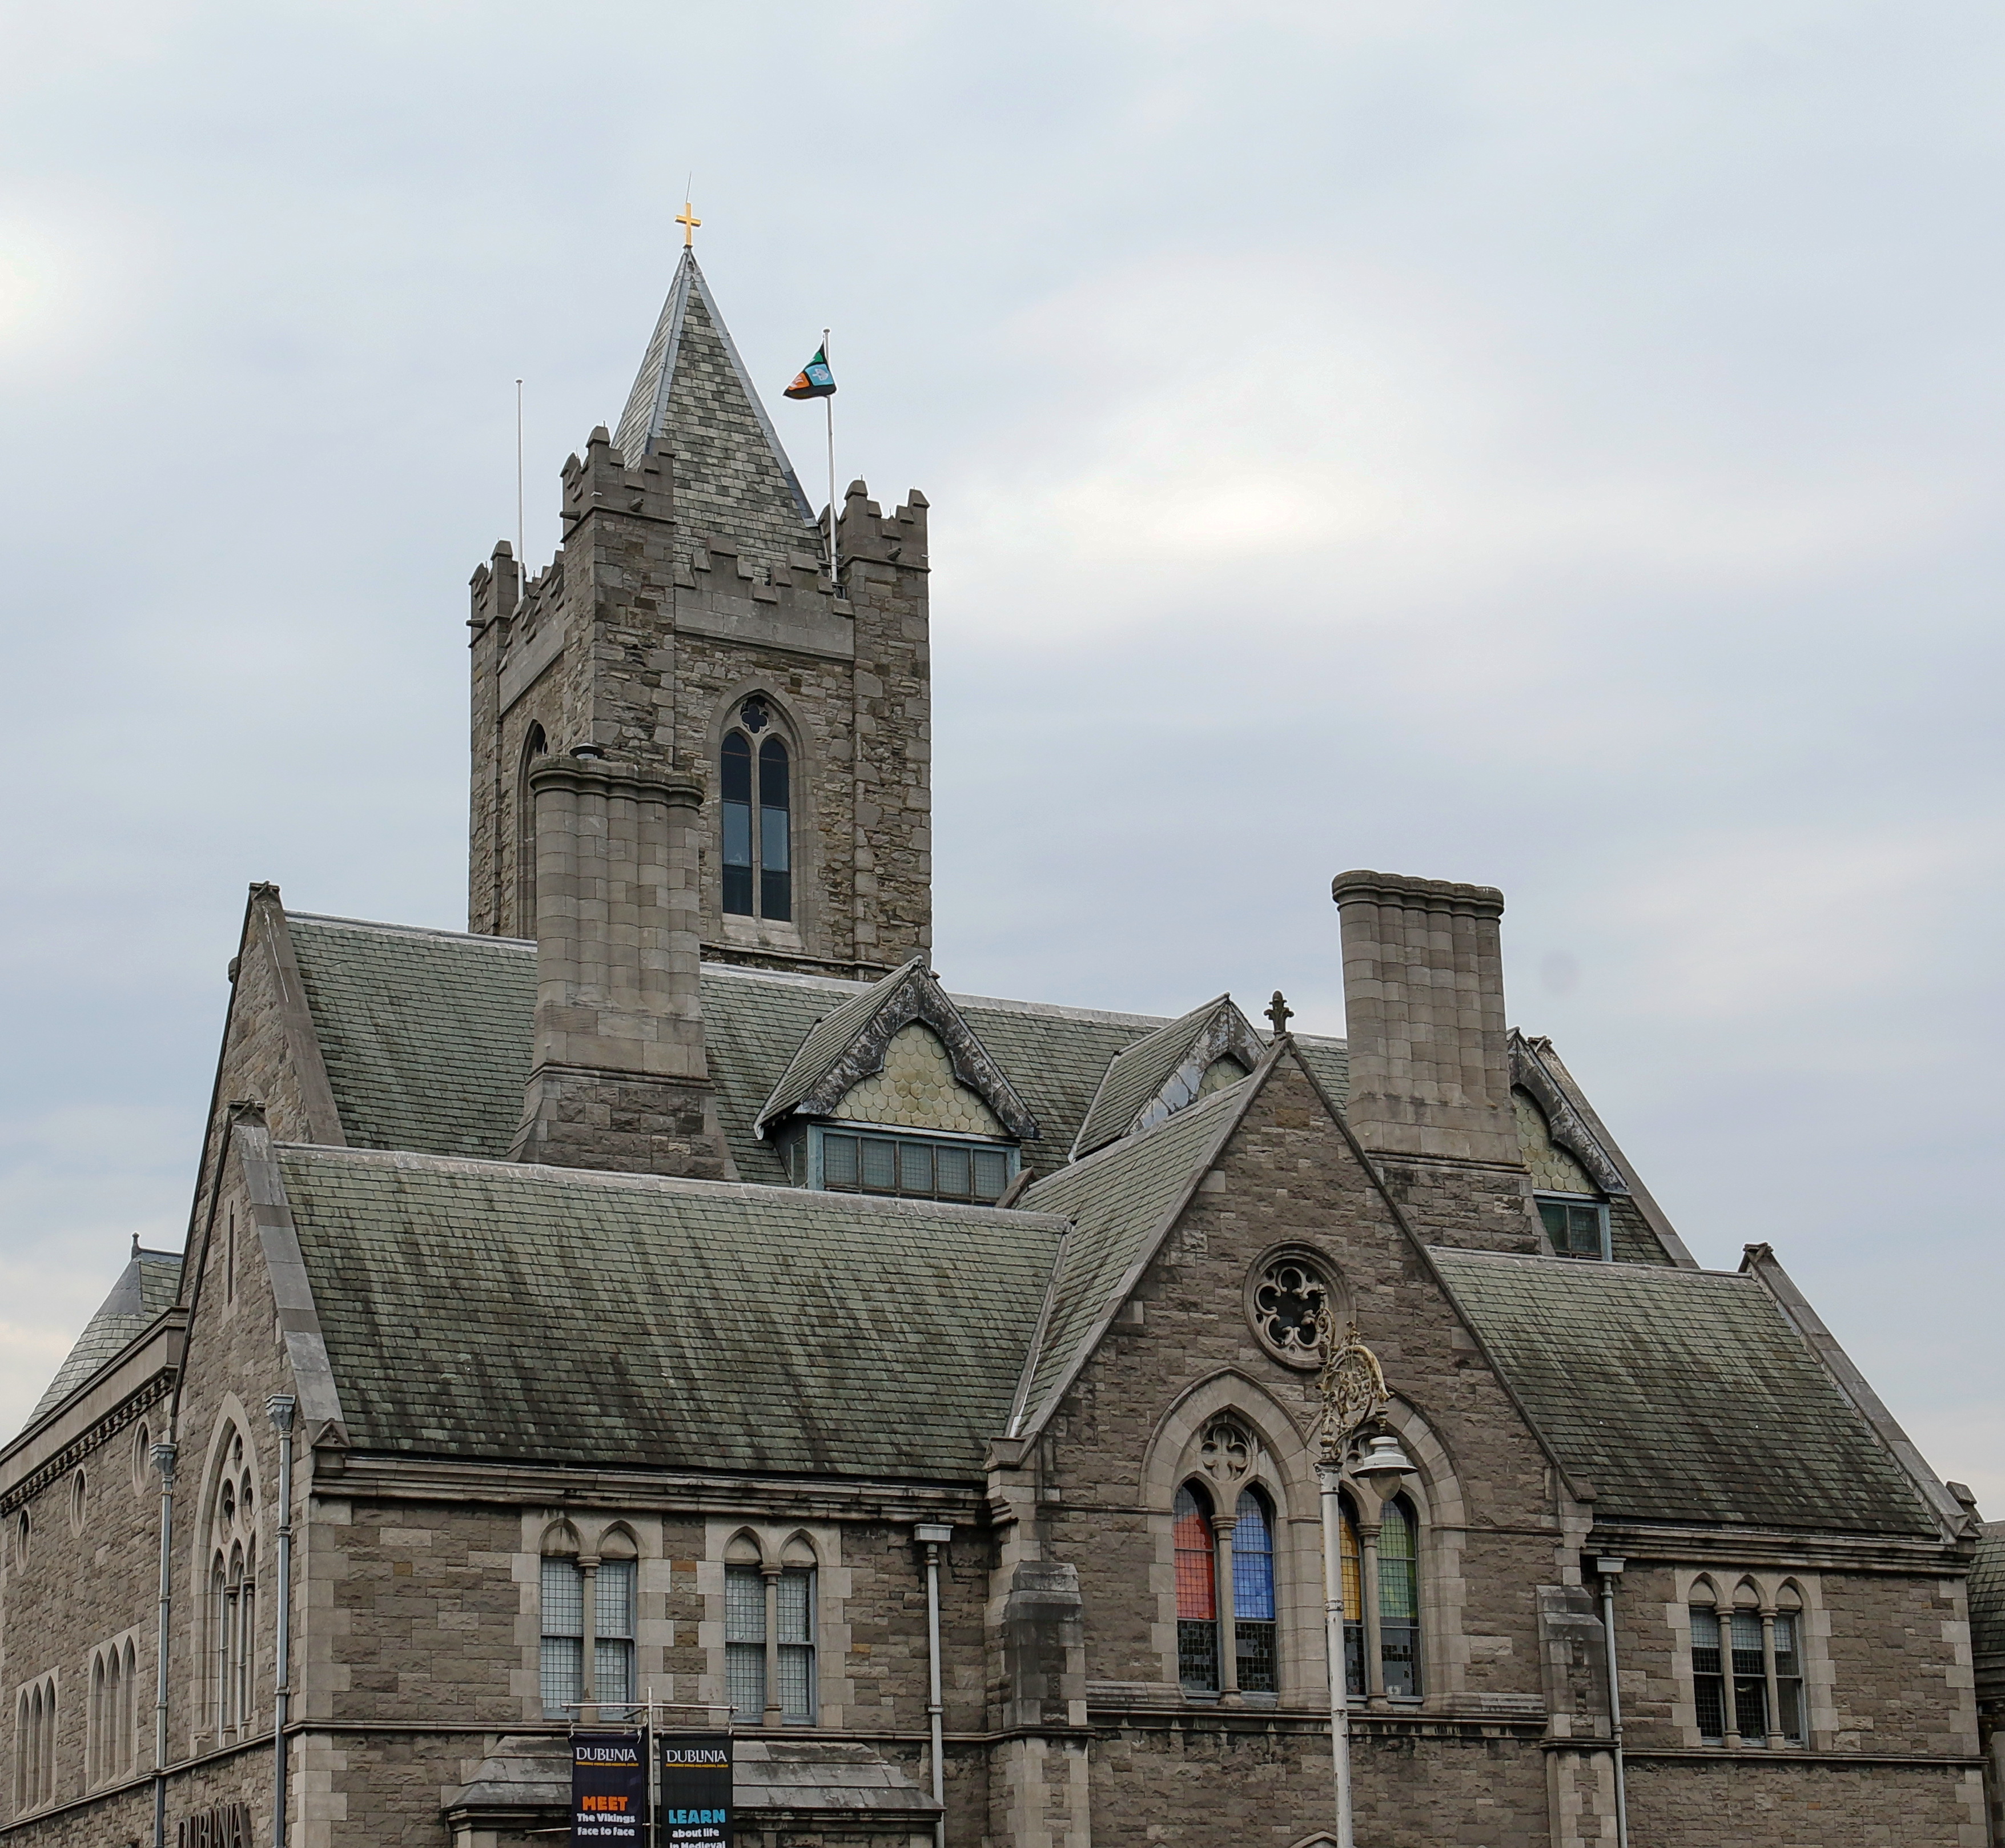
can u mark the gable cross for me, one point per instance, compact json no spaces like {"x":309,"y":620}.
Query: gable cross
{"x":687,"y":218}
{"x":1280,"y":1013}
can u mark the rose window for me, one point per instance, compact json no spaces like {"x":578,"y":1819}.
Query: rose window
{"x":1289,"y":1302}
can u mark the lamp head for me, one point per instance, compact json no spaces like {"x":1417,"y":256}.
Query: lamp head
{"x":1383,"y":1464}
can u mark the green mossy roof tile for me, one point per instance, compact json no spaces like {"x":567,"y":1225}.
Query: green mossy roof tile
{"x":1681,"y":1396}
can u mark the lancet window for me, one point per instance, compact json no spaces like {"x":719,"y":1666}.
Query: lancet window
{"x":755,"y":785}
{"x":1203,"y":1544}
{"x":1748,"y":1673}
{"x":233,"y":1592}
{"x":1382,"y":1599}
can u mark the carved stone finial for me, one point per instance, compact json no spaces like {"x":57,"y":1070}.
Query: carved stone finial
{"x":1280,"y":1013}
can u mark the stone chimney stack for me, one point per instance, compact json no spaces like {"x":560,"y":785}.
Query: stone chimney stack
{"x":1423,"y":998}
{"x":619,"y":1079}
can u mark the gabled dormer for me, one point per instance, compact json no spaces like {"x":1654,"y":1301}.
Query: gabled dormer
{"x":891,"y":1093}
{"x":1210,"y":1048}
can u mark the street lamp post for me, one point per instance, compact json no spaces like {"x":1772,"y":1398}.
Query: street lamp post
{"x":1353,"y":1386}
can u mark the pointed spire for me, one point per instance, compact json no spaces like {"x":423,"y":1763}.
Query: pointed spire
{"x":694,"y":401}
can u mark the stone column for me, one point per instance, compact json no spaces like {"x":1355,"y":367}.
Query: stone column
{"x":620,"y":1079}
{"x":1228,"y":1638}
{"x":776,"y":1713}
{"x":1775,"y":1688}
{"x":1367,"y":1573}
{"x":587,"y":1686}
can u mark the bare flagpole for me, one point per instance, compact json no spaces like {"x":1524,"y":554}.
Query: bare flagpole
{"x":828,"y":405}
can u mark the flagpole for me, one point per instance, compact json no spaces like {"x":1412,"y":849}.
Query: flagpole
{"x":828,"y":405}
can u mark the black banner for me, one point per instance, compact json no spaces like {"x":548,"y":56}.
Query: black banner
{"x":696,"y":1789}
{"x":609,"y":1788}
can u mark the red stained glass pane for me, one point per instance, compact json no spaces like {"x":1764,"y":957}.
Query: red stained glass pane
{"x":1197,"y":1589}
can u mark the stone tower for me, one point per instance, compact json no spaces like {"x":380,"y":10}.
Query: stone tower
{"x":690,"y":627}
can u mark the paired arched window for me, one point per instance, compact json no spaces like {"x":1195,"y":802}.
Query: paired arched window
{"x":755,"y":781}
{"x":589,"y":1608}
{"x":1381,"y":1600}
{"x":1216,"y":1632}
{"x":770,"y":1620}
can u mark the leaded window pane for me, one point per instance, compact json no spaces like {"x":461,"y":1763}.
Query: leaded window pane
{"x":797,"y":1704}
{"x":1253,"y":1561}
{"x":1197,"y":1591}
{"x":880,"y":1165}
{"x":745,"y":1680}
{"x":916,"y":1167}
{"x":838,"y":1160}
{"x":1399,"y":1590}
{"x":1256,"y":1645}
{"x":563,"y":1674}
{"x":955,"y":1167}
{"x":564,"y":1598}
{"x":1708,"y":1685}
{"x":613,"y":1607}
{"x":1197,"y":1656}
{"x":614,"y":1671}
{"x":992,"y":1173}
{"x":795,"y":1606}
{"x":1400,"y":1652}
{"x":744,"y":1604}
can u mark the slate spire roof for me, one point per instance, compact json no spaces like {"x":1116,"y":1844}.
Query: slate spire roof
{"x":694,"y":401}
{"x":145,"y":1291}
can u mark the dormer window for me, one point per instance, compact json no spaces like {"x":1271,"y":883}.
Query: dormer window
{"x":1577,"y":1226}
{"x":853,"y":1158}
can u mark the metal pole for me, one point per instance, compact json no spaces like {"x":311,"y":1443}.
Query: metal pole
{"x":279,"y":1408}
{"x":1340,"y":1696}
{"x":933,"y":1538}
{"x":1611,"y":1573}
{"x":163,"y":1460}
{"x":522,"y":533}
{"x":828,"y":405}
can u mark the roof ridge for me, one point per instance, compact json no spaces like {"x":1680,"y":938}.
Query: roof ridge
{"x":421,"y":1161}
{"x":1059,"y":1010}
{"x":430,"y":930}
{"x":1592,"y":1267}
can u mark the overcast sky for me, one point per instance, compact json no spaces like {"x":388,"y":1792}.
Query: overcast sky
{"x":1556,"y":445}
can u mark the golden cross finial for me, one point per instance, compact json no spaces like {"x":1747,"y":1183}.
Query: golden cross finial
{"x":687,"y":218}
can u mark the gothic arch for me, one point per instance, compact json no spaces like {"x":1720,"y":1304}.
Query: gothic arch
{"x":559,"y":1541}
{"x":743,"y":1549}
{"x":808,"y":780}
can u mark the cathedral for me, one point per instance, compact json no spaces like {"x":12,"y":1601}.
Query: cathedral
{"x":671,"y":1295}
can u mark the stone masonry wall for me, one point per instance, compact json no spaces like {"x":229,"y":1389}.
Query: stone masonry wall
{"x":1288,"y":1178}
{"x":1688,"y":1803}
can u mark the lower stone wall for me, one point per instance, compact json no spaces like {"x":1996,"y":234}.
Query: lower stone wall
{"x":1689,"y":1803}
{"x":123,"y":1817}
{"x":1203,"y":1780}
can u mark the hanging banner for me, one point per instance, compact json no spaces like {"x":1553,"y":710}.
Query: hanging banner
{"x":609,"y":1788}
{"x":696,"y":1789}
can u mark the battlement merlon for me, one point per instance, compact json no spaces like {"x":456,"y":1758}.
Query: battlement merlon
{"x":863,"y":531}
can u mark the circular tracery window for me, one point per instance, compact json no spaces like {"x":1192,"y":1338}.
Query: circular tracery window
{"x":1286,"y":1299}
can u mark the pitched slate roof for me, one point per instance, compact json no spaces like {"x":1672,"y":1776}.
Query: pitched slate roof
{"x":663,"y":1324}
{"x":1142,"y":1083}
{"x":145,"y":1290}
{"x":693,"y":398}
{"x":1117,"y":1200}
{"x":426,"y":1035}
{"x":1680,"y":1395}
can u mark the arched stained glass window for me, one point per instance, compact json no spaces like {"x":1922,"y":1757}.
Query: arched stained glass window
{"x":756,"y":788}
{"x":1400,"y":1598}
{"x":776,"y":864}
{"x":1197,"y":1592}
{"x":1253,"y":1593}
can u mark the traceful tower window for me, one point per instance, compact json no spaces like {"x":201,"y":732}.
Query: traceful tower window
{"x":756,"y":786}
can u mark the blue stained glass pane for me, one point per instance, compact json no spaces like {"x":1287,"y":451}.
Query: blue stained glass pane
{"x":1253,"y":1561}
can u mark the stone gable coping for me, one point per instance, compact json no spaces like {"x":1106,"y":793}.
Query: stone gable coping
{"x":1569,"y":1128}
